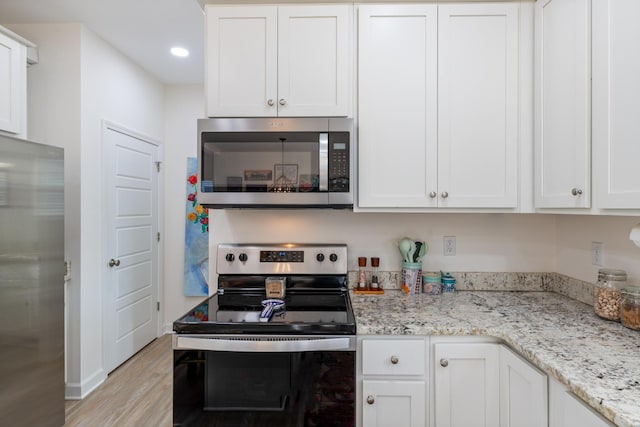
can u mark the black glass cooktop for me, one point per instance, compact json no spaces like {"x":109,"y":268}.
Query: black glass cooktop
{"x":308,"y":310}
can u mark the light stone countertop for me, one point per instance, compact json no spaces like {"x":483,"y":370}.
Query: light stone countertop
{"x":598,"y":360}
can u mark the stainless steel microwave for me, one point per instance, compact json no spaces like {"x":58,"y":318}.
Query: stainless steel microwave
{"x":276,"y":163}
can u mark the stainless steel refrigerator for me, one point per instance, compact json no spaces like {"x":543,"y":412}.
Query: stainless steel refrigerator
{"x":31,"y":284}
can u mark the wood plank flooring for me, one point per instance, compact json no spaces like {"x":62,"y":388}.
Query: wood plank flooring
{"x":137,"y":394}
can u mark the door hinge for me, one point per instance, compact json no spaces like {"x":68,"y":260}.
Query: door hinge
{"x":158,"y":236}
{"x":158,"y":165}
{"x":158,"y":305}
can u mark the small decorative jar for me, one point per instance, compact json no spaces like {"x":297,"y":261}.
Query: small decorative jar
{"x":448,"y":283}
{"x":606,"y":294}
{"x":431,"y":283}
{"x":630,"y":307}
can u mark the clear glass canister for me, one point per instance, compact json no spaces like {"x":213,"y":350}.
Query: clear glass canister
{"x":630,"y":307}
{"x":606,"y":295}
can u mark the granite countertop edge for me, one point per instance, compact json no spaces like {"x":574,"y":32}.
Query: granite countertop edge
{"x":595,"y":359}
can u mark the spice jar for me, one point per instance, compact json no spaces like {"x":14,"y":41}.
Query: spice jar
{"x":362,"y":273}
{"x":606,"y":294}
{"x":630,"y":307}
{"x":375,"y":263}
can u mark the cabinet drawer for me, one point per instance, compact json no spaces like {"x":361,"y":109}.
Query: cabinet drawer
{"x":393,"y":357}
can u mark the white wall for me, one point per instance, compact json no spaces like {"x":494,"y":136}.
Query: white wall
{"x":113,"y":88}
{"x":573,"y":245}
{"x":79,"y":81}
{"x":184,"y":105}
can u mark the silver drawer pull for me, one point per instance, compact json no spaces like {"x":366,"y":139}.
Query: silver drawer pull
{"x":576,"y":192}
{"x":394,"y":360}
{"x":370,"y":400}
{"x":444,"y":363}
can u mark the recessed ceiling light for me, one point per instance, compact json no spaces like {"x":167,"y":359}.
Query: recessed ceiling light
{"x":179,"y":52}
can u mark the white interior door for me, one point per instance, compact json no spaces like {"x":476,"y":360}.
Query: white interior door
{"x":131,"y":257}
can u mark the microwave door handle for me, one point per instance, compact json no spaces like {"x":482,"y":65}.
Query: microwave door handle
{"x":323,"y":161}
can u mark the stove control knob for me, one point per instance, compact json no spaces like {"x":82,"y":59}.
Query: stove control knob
{"x":333,"y":257}
{"x":229,"y":257}
{"x":320,"y":257}
{"x":242,"y":257}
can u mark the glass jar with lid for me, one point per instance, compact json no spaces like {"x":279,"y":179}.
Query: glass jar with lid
{"x":630,"y":307}
{"x":606,"y":294}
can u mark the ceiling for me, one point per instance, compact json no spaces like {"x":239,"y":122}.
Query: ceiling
{"x":143,"y":30}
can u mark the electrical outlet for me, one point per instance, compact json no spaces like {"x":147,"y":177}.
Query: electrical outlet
{"x":597,"y":253}
{"x":449,"y":245}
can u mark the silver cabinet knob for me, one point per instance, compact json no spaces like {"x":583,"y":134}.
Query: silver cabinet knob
{"x":270,"y":102}
{"x":576,"y":191}
{"x":433,"y":194}
{"x":444,"y":363}
{"x":282,"y":101}
{"x":394,"y":360}
{"x":114,"y":262}
{"x":370,"y":400}
{"x":444,"y":194}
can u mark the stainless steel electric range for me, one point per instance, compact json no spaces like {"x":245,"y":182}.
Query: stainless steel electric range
{"x":275,"y":345}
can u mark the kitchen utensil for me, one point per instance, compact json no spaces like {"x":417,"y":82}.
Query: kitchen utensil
{"x":423,"y":250}
{"x":416,"y":254}
{"x":271,"y":306}
{"x":404,"y":246}
{"x":412,"y":251}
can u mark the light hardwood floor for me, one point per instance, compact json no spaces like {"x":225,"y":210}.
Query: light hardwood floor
{"x":138,"y":393}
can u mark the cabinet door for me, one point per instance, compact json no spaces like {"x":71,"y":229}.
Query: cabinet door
{"x":616,"y":103}
{"x":523,"y":392}
{"x":11,"y":84}
{"x":241,"y":61}
{"x":314,"y":45}
{"x":563,"y":104}
{"x":466,"y":385}
{"x":397,"y":101}
{"x":478,"y":136}
{"x":393,"y":403}
{"x":566,"y":410}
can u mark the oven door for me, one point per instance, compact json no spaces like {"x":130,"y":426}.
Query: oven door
{"x":264,"y":381}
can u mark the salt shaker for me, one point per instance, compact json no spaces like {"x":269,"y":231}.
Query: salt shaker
{"x":362,"y":273}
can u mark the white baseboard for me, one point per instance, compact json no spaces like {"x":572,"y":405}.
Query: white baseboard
{"x":78,"y":391}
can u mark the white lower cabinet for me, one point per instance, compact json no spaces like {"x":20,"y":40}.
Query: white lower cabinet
{"x":566,"y":410}
{"x":394,"y":403}
{"x":394,"y":382}
{"x":523,"y":392}
{"x":459,"y":381}
{"x":466,"y":384}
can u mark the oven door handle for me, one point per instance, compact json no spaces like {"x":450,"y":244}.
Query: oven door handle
{"x":259,"y":345}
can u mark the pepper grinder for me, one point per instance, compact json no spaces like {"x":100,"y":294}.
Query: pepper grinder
{"x":375,"y":263}
{"x":362,"y":273}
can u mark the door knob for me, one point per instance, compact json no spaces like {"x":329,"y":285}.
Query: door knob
{"x":370,"y":400}
{"x":394,"y":360}
{"x":576,"y":191}
{"x":444,"y":363}
{"x":282,"y":101}
{"x":444,"y":194}
{"x":433,"y":194}
{"x":270,"y":102}
{"x":114,"y":262}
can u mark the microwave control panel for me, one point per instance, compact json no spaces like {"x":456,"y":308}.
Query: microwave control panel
{"x":339,"y":162}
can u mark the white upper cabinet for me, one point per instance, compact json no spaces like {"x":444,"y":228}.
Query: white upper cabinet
{"x":438,"y":106}
{"x":562,"y":104}
{"x":478,"y":105}
{"x":616,"y":104}
{"x":13,"y":96}
{"x":398,"y":101}
{"x":278,"y":61}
